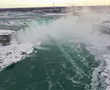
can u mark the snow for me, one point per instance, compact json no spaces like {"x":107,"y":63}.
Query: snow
{"x":6,"y":32}
{"x":13,"y":53}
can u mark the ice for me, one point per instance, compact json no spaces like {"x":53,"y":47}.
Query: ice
{"x":6,"y":32}
{"x":13,"y":53}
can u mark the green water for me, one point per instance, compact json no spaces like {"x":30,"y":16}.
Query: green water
{"x":57,"y":66}
{"x":68,"y":68}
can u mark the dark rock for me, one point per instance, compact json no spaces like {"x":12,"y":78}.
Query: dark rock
{"x":5,"y":39}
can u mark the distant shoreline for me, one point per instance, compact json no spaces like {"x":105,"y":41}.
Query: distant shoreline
{"x":45,"y":9}
{"x":37,"y":8}
{"x":48,"y":9}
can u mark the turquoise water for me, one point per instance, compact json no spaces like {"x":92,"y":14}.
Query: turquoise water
{"x":57,"y":66}
{"x":68,"y":68}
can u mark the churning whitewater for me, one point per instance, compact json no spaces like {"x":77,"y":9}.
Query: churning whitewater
{"x":72,"y":50}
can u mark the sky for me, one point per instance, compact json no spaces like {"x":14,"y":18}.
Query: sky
{"x":48,"y":3}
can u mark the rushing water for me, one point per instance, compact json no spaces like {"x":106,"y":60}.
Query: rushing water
{"x":72,"y":55}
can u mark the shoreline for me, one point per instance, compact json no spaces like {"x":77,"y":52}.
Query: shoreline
{"x":58,"y":8}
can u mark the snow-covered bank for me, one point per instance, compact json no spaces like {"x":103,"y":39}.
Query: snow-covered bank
{"x":10,"y":50}
{"x":13,"y":53}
